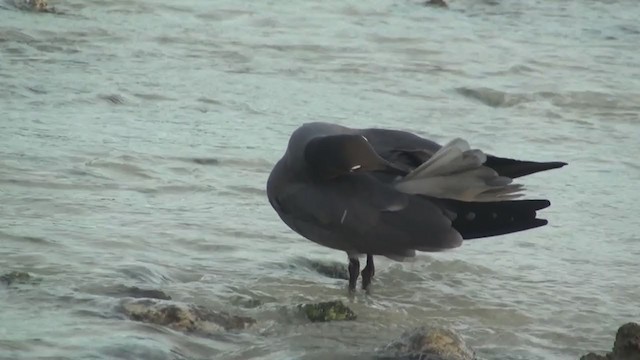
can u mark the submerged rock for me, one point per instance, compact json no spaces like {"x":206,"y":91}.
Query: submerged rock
{"x":328,"y":311}
{"x":206,"y":161}
{"x":436,"y":3}
{"x":625,"y":347}
{"x":34,"y":5}
{"x":183,"y":317}
{"x":428,"y":343}
{"x":334,"y":270}
{"x":18,"y":277}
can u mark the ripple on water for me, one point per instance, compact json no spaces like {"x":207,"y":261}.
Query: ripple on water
{"x":137,"y":347}
{"x":118,"y":169}
{"x":153,"y":97}
{"x":113,"y":99}
{"x":581,"y":100}
{"x":224,"y":14}
{"x":202,"y":160}
{"x":145,"y":274}
{"x":597,"y":100}
{"x":24,"y":238}
{"x":495,"y":98}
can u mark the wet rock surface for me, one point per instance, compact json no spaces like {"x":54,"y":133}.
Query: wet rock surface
{"x":594,"y":356}
{"x":334,"y":270}
{"x":428,"y":343}
{"x":625,"y":347}
{"x":627,"y":344}
{"x":327,"y":311}
{"x":16,"y":277}
{"x":183,"y":317}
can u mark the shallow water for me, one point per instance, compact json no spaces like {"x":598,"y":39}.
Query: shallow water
{"x":137,"y":136}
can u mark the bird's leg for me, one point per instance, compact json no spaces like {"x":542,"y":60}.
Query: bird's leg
{"x":354,"y":272}
{"x":368,"y":272}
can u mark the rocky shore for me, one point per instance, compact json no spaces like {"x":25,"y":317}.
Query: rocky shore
{"x":425,"y":342}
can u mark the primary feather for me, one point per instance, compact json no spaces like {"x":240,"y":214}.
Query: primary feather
{"x":457,"y":172}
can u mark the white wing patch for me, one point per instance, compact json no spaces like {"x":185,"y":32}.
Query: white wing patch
{"x":457,"y":172}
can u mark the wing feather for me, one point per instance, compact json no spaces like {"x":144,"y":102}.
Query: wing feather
{"x":359,"y":213}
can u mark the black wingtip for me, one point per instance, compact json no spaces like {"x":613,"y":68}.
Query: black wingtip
{"x":538,"y":204}
{"x":556,"y":164}
{"x":517,"y":168}
{"x":538,"y":222}
{"x":484,"y":219}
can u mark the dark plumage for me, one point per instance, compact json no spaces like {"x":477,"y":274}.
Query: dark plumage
{"x":388,"y":192}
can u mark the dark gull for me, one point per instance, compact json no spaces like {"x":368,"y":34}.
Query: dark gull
{"x":391,"y":193}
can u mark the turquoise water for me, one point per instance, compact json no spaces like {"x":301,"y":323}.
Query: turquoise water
{"x":136,"y":139}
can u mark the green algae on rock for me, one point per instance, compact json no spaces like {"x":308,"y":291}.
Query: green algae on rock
{"x":183,"y":317}
{"x":18,"y":277}
{"x":431,"y":343}
{"x":327,"y":311}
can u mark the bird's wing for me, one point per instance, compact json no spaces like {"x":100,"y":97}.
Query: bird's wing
{"x":401,"y":147}
{"x":451,"y":171}
{"x":370,"y":216}
{"x":411,"y":150}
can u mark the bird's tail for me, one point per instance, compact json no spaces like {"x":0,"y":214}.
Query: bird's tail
{"x":483,"y":219}
{"x":458,"y":172}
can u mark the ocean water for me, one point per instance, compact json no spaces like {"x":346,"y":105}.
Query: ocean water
{"x":136,"y":138}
